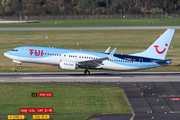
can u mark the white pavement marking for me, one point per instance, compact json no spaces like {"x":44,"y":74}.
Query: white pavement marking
{"x":70,"y":78}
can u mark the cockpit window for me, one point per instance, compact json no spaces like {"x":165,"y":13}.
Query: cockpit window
{"x":15,"y":50}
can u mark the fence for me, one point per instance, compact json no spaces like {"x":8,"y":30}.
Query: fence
{"x":72,"y":17}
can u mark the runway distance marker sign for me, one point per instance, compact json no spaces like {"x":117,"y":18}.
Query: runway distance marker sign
{"x":16,"y":117}
{"x":27,"y":110}
{"x":44,"y":110}
{"x":36,"y":110}
{"x":45,"y":94}
{"x":41,"y":117}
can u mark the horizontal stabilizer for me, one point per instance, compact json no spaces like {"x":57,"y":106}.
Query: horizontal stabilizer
{"x":161,"y":61}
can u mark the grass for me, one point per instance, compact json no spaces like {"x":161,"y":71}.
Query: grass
{"x":68,"y":98}
{"x":53,"y":117}
{"x":99,"y":22}
{"x":126,"y":41}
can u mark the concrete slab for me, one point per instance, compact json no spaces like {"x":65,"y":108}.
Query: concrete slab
{"x":157,"y":117}
{"x":158,"y":105}
{"x":166,"y":88}
{"x":176,"y":86}
{"x":139,"y":105}
{"x":111,"y":117}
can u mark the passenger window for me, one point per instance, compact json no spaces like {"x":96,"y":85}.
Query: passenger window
{"x":14,"y":50}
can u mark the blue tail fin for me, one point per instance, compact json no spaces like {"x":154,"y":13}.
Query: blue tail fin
{"x":159,"y":48}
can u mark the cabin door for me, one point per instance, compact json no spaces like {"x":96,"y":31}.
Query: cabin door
{"x":140,"y":62}
{"x":25,"y":52}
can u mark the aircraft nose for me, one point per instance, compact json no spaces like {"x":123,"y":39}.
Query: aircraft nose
{"x":6,"y":54}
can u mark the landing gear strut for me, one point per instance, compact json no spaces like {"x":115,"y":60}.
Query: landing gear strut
{"x":87,"y":72}
{"x":20,"y":66}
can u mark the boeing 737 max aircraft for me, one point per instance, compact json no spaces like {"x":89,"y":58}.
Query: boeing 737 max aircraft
{"x":67,"y":59}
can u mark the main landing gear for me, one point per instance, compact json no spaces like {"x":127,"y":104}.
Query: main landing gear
{"x":20,"y":66}
{"x":87,"y":72}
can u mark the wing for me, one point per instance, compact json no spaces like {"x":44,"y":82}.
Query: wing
{"x":92,"y":63}
{"x":96,"y":63}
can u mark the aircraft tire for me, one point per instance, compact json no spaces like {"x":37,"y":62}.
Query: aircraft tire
{"x":87,"y":72}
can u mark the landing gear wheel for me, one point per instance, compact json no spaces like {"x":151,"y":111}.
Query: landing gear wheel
{"x":20,"y":67}
{"x":87,"y":72}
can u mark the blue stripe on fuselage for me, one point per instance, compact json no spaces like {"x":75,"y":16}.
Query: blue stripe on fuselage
{"x":134,"y":58}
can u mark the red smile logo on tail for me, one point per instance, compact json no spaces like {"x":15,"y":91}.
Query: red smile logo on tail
{"x":160,"y":52}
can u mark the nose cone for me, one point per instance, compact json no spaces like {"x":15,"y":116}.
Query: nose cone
{"x":7,"y":54}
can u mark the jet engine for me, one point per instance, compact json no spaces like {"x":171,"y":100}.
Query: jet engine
{"x":67,"y":65}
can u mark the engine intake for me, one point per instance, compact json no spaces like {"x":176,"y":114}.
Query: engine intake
{"x":67,"y":65}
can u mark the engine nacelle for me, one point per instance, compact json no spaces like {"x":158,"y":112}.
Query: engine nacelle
{"x":67,"y":65}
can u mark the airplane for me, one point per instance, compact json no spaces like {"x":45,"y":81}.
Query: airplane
{"x":67,"y":59}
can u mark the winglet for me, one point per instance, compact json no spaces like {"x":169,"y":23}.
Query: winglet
{"x":112,"y":53}
{"x":107,"y":51}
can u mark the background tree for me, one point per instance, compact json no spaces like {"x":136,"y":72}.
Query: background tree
{"x":87,"y":7}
